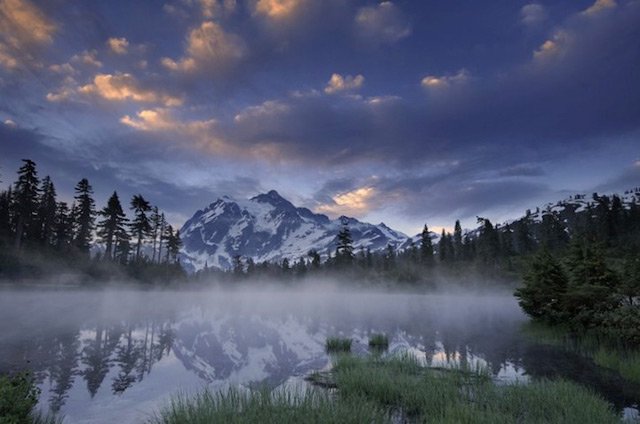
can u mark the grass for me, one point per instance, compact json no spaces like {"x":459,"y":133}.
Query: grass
{"x":338,"y":345}
{"x":626,"y":362}
{"x":604,"y":352}
{"x":262,"y":406}
{"x":379,"y":342}
{"x":376,"y":390}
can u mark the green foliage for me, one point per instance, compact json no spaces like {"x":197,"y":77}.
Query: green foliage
{"x":544,"y":290}
{"x":18,"y":399}
{"x":337,"y":344}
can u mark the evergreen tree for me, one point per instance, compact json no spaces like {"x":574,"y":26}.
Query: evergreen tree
{"x":457,"y":241}
{"x":344,"y":253}
{"x":389,"y":257}
{"x":630,"y":285}
{"x":84,"y":215}
{"x":5,"y":215}
{"x":46,"y":214}
{"x":592,"y":283}
{"x":63,"y":227}
{"x":25,"y":202}
{"x":141,"y":225}
{"x":488,"y":242}
{"x":123,"y":246}
{"x":525,"y":243}
{"x":426,"y":246}
{"x":174,"y":243}
{"x":315,"y":258}
{"x":544,"y":290}
{"x":553,"y":232}
{"x":285,"y":265}
{"x":163,"y":225}
{"x":156,"y":221}
{"x":442,"y":247}
{"x":112,"y":225}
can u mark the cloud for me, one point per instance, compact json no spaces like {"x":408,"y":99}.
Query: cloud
{"x":10,"y":123}
{"x":24,"y":31}
{"x":121,"y":87}
{"x":209,"y":47}
{"x":118,"y":45}
{"x":215,"y":8}
{"x":339,"y":83}
{"x":62,"y":68}
{"x":354,"y":202}
{"x":277,"y":9}
{"x":270,"y":108}
{"x":436,"y":82}
{"x":384,"y":23}
{"x":600,"y":6}
{"x":87,"y":57}
{"x":533,"y":14}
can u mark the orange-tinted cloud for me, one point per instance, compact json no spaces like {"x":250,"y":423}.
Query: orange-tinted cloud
{"x":24,"y":30}
{"x":209,"y":47}
{"x":121,"y":87}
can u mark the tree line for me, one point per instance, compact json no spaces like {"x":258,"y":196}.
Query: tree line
{"x":34,"y":223}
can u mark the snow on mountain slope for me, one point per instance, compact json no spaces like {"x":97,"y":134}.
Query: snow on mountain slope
{"x":268,"y":227}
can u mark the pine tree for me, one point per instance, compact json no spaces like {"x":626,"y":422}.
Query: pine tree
{"x":163,"y":225}
{"x":123,"y":247}
{"x":174,"y":243}
{"x":488,"y":242}
{"x":592,"y":283}
{"x":457,"y":241}
{"x":63,"y":227}
{"x":46,"y":215}
{"x":345,"y":244}
{"x":442,"y":247}
{"x":315,"y":258}
{"x":630,"y":287}
{"x":545,"y":287}
{"x":25,"y":202}
{"x":5,"y":215}
{"x":426,"y":246}
{"x":155,"y":229}
{"x":113,"y":224}
{"x":141,"y":225}
{"x":84,"y":215}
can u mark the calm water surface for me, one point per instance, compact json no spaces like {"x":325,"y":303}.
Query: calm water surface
{"x":107,"y":356}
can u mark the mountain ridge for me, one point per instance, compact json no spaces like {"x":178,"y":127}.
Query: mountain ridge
{"x":268,"y":227}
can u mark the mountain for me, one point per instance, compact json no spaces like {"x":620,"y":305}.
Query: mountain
{"x":268,"y":227}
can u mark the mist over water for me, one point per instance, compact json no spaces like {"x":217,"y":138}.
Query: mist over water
{"x":118,"y":355}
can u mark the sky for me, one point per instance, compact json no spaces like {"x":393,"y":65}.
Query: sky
{"x":403,"y":112}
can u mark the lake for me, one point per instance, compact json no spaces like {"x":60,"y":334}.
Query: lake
{"x":103,"y":356}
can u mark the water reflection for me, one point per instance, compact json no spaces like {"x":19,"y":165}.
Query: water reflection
{"x":108,"y":356}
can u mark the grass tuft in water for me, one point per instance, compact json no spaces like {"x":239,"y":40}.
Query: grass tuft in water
{"x":379,"y":342}
{"x":337,"y":345}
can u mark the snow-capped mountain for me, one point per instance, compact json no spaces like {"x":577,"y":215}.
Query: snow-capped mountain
{"x":268,"y":227}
